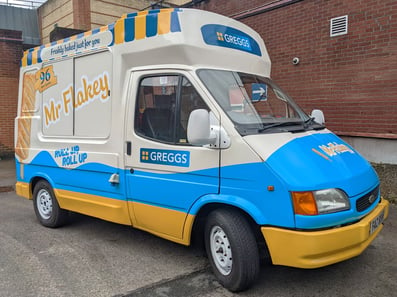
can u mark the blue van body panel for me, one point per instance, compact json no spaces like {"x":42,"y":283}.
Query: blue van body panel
{"x":304,"y":165}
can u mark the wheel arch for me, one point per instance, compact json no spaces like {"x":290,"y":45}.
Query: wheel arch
{"x":35,"y":179}
{"x":244,"y":205}
{"x":209,"y":204}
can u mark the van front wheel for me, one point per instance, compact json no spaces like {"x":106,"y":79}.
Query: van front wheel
{"x":232,"y":249}
{"x":46,"y":206}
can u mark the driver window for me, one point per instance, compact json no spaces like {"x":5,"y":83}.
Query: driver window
{"x":164,"y":106}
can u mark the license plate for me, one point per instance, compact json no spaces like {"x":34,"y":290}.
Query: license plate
{"x":375,"y":223}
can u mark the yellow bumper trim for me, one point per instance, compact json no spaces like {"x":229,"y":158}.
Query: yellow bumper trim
{"x":313,"y":249}
{"x":23,"y":189}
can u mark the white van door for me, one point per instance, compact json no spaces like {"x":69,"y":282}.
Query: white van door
{"x":164,"y":173}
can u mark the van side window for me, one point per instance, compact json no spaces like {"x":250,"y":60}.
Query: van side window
{"x":163,"y":108}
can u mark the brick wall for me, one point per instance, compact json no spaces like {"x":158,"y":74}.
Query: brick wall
{"x":81,"y":15}
{"x":84,"y":14}
{"x":59,"y":12}
{"x":10,"y":55}
{"x":352,"y":78}
{"x":106,"y":12}
{"x":88,"y":14}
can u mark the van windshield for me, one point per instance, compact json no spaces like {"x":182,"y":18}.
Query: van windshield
{"x":255,"y":104}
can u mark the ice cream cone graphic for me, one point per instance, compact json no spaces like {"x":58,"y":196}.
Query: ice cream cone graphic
{"x":25,"y":117}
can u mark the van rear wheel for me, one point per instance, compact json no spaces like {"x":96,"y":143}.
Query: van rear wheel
{"x":232,"y":249}
{"x":46,"y":206}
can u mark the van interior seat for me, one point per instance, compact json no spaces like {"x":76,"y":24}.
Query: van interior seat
{"x":157,"y":123}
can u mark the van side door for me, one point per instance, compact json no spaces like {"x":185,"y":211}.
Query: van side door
{"x":165,"y":175}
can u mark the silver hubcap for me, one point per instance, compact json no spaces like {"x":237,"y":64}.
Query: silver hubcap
{"x":221,"y":250}
{"x":44,"y":204}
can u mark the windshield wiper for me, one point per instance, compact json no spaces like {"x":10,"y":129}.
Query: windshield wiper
{"x":311,"y":121}
{"x":308,"y":122}
{"x":280,"y":124}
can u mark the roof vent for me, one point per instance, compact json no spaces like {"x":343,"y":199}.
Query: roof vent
{"x":338,"y":26}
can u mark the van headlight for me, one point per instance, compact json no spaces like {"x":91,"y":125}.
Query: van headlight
{"x":320,"y":202}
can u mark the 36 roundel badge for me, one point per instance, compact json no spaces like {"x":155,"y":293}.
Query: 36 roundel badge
{"x":229,"y":37}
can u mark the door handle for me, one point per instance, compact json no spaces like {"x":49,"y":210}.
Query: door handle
{"x":114,"y":179}
{"x":128,"y":148}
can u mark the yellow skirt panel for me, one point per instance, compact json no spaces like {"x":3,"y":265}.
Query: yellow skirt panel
{"x":108,"y":209}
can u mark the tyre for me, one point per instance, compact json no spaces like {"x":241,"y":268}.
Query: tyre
{"x":46,"y":206}
{"x":232,"y":249}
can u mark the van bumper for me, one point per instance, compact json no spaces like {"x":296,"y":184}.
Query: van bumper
{"x":313,"y":249}
{"x":23,"y":189}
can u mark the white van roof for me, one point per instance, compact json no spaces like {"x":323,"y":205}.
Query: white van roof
{"x":167,"y":36}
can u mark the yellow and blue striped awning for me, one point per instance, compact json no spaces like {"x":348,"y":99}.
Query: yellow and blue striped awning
{"x":145,"y":24}
{"x":130,"y":27}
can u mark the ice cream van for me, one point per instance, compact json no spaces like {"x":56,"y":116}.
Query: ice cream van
{"x":168,"y":121}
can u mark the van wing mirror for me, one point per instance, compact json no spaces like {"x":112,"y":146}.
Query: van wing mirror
{"x":199,"y":128}
{"x":318,"y":116}
{"x":204,"y":129}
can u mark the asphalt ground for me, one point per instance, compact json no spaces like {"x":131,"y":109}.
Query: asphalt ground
{"x":7,"y":175}
{"x":90,"y":257}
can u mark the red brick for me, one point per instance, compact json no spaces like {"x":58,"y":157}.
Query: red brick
{"x":10,"y":56}
{"x":352,"y":78}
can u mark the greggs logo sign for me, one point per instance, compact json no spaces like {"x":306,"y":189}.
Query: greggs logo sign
{"x":165,"y":157}
{"x":229,"y":37}
{"x":237,"y":40}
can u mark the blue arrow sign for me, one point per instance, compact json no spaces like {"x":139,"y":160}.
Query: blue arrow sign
{"x":259,"y":92}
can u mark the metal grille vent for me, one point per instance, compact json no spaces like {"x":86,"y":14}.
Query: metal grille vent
{"x":367,"y":200}
{"x":338,"y":26}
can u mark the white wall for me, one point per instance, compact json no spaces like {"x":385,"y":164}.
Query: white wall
{"x":375,"y":149}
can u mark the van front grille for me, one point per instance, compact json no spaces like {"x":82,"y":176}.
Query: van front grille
{"x":367,"y":200}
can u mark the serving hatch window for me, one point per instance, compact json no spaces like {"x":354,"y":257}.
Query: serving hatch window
{"x":76,"y":97}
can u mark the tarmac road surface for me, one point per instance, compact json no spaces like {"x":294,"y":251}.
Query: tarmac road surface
{"x":90,"y":257}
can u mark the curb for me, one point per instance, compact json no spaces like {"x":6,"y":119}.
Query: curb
{"x":5,"y":189}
